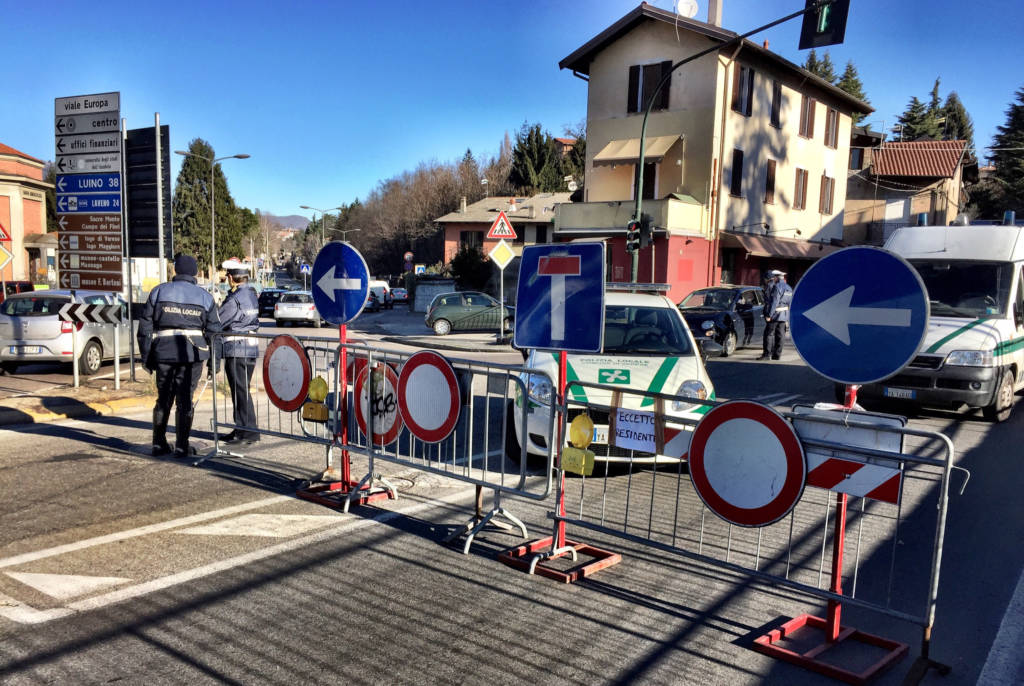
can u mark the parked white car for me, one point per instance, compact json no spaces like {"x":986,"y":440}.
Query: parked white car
{"x":31,"y":330}
{"x":297,"y":307}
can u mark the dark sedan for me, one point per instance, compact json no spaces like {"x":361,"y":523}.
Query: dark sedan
{"x":732,"y":316}
{"x":268,"y":298}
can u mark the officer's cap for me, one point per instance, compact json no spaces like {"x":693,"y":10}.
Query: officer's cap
{"x":776,"y":272}
{"x":235,"y":268}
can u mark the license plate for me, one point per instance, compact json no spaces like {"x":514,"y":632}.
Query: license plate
{"x":600,"y":434}
{"x":902,"y":393}
{"x":25,"y":349}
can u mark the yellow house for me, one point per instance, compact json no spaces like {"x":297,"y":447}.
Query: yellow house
{"x":745,"y":155}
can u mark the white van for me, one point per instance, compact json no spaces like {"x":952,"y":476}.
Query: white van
{"x":382,"y":290}
{"x":973,"y":353}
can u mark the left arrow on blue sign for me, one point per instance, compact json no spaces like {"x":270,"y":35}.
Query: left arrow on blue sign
{"x":88,"y":183}
{"x":341,"y":282}
{"x":94,"y":203}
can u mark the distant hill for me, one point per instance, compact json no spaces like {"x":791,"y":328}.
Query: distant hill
{"x":292,"y":221}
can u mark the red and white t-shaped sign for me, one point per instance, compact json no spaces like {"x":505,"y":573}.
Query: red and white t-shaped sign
{"x":558,"y":267}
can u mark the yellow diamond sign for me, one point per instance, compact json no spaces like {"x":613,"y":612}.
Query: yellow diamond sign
{"x":502,"y":254}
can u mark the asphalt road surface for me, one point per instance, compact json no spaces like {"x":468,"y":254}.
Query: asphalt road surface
{"x":119,"y":567}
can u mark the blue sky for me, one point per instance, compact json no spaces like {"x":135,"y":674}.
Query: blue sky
{"x":329,"y":98}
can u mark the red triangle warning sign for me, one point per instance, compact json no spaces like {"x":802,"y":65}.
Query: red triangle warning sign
{"x":4,"y":236}
{"x":501,"y":228}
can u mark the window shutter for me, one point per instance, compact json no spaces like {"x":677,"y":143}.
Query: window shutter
{"x":831,"y":193}
{"x":769,"y":186}
{"x":633,"y":93}
{"x":652,"y":72}
{"x":811,"y":106}
{"x":666,"y":70}
{"x":822,"y":194}
{"x":776,"y":102}
{"x":803,"y":189}
{"x":749,"y":103}
{"x":735,"y":182}
{"x":803,"y":116}
{"x":736,"y":69}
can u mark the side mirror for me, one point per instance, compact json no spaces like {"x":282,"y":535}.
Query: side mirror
{"x":1018,"y":316}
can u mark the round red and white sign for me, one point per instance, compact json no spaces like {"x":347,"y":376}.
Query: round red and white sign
{"x":387,"y":420}
{"x":286,"y":373}
{"x":747,"y":463}
{"x":428,"y":396}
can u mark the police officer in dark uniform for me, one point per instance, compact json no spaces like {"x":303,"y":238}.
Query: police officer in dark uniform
{"x":778,"y":315}
{"x":174,"y":342}
{"x":239,"y":316}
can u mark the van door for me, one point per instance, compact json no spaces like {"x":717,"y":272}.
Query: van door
{"x":1015,"y":343}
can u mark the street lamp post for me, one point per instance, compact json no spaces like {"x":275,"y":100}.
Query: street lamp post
{"x":345,"y":231}
{"x":323,"y":220}
{"x":213,"y":207}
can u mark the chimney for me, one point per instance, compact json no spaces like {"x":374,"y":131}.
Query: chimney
{"x":765,"y":46}
{"x":462,"y":205}
{"x":715,"y":12}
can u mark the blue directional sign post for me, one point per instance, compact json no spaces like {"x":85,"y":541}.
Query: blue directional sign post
{"x":341,"y":282}
{"x":859,"y":315}
{"x":560,"y":300}
{"x":88,"y":160}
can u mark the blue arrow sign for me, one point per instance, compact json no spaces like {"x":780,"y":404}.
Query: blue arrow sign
{"x":95,"y":203}
{"x":341,"y":282}
{"x":859,"y":315}
{"x":88,"y":183}
{"x":560,"y":300}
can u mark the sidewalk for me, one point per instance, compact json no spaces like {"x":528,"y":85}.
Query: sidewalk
{"x":97,"y":396}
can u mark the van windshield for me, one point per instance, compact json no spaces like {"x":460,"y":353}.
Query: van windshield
{"x":966,"y":289}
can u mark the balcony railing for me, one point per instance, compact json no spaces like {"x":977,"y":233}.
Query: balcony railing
{"x":610,"y":217}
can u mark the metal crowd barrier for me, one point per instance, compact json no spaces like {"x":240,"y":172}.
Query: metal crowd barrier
{"x":475,"y":451}
{"x":660,"y":509}
{"x":272,"y":422}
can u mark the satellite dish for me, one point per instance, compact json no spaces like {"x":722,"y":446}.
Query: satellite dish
{"x":687,"y":8}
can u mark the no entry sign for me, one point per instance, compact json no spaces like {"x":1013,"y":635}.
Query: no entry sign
{"x":387,"y":420}
{"x":286,"y":372}
{"x":428,"y":396}
{"x":747,"y":463}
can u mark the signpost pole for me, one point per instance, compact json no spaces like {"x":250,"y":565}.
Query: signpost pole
{"x":559,"y":541}
{"x":834,"y":607}
{"x":346,"y":468}
{"x":501,"y":303}
{"x":74,"y":346}
{"x":117,"y":355}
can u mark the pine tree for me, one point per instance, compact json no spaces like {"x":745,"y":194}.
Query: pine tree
{"x":851,"y":83}
{"x":822,"y":68}
{"x":917,"y":123}
{"x":536,"y":163}
{"x":959,"y":126}
{"x":191,"y":208}
{"x":1008,"y":159}
{"x":811,"y":64}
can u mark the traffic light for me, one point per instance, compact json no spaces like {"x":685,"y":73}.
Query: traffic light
{"x":632,"y":236}
{"x":824,"y":26}
{"x":646,"y":235}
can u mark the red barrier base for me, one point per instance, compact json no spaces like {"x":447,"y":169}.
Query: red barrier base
{"x":812,"y":658}
{"x":518,"y":557}
{"x":336,"y":493}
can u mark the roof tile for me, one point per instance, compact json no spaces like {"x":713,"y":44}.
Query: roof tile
{"x":918,"y":158}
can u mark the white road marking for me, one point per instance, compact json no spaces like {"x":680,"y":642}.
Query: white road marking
{"x":268,"y":525}
{"x":140,"y":531}
{"x":66,"y":586}
{"x":24,"y":614}
{"x":1005,"y":663}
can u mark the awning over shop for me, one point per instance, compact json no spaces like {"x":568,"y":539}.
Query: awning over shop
{"x":628,"y":150}
{"x":763,"y":246}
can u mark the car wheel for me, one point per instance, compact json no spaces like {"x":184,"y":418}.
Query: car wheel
{"x":316,"y":322}
{"x":729,"y":343}
{"x":1002,"y":404}
{"x":507,"y":324}
{"x":90,"y":360}
{"x":442,"y":327}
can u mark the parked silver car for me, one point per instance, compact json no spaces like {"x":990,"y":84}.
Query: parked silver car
{"x":31,"y":330}
{"x":296,"y":307}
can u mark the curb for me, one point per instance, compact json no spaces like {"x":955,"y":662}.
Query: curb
{"x":432,"y":345}
{"x":11,"y":416}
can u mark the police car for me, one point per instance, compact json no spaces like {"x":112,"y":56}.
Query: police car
{"x":647,"y":347}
